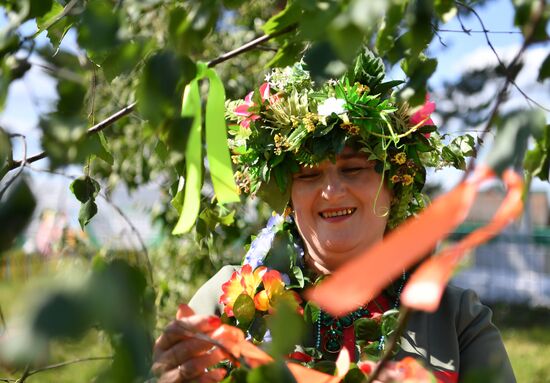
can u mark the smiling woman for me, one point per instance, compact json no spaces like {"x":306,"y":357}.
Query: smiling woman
{"x":346,"y":163}
{"x":340,"y":208}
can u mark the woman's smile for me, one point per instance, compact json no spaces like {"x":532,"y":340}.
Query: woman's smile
{"x":331,"y":214}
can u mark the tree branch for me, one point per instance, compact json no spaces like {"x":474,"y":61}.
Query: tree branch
{"x":21,"y":165}
{"x":129,"y":108}
{"x":249,"y":46}
{"x":510,"y":74}
{"x":67,"y":363}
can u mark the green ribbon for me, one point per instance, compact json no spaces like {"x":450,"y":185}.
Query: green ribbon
{"x":216,"y":142}
{"x":217,"y":150}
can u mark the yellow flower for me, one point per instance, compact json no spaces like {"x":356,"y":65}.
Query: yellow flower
{"x":395,"y":179}
{"x":361,"y":88}
{"x":350,"y":128}
{"x":274,"y":291}
{"x":309,"y":121}
{"x":400,"y":158}
{"x":242,"y":282}
{"x":407,"y":179}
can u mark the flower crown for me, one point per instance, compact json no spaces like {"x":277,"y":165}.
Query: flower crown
{"x":288,"y":123}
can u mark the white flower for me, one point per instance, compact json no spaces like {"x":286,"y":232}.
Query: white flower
{"x":331,"y":105}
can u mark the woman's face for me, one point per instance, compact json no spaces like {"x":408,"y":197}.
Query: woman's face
{"x":337,"y":210}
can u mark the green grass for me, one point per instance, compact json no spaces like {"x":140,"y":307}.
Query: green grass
{"x":529,"y":349}
{"x":526,"y":334}
{"x":17,"y":293}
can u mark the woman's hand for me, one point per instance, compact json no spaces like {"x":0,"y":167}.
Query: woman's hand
{"x":178,"y":356}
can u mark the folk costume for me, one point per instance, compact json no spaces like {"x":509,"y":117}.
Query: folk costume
{"x":288,"y":123}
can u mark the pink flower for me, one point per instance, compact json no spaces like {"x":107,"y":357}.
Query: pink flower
{"x":243,"y":109}
{"x":422,"y":116}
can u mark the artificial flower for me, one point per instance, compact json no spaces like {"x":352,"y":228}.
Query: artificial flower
{"x":274,"y":292}
{"x":244,"y":281}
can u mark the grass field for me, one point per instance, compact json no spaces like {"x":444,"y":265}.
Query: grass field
{"x":526,"y":333}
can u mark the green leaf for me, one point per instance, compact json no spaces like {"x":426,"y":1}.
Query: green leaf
{"x":105,"y":153}
{"x":271,"y":194}
{"x":9,"y":42}
{"x":258,"y":328}
{"x":85,"y":188}
{"x":445,"y":9}
{"x":511,"y":138}
{"x":536,"y":162}
{"x":287,"y":328}
{"x":525,"y":11}
{"x":323,"y":62}
{"x":66,"y":141}
{"x":366,"y":14}
{"x":233,"y":4}
{"x":15,"y":212}
{"x":98,"y":27}
{"x":71,"y":98}
{"x":5,"y":150}
{"x":276,"y":372}
{"x":288,"y":16}
{"x":244,"y":310}
{"x":544,"y":71}
{"x":40,"y":8}
{"x":188,"y":27}
{"x":419,"y":19}
{"x":311,"y":313}
{"x":62,"y":315}
{"x":161,"y":84}
{"x":355,"y":375}
{"x":123,"y":59}
{"x":389,"y":29}
{"x":288,"y":54}
{"x":367,"y":329}
{"x":11,"y":68}
{"x":419,"y":69}
{"x":56,"y":32}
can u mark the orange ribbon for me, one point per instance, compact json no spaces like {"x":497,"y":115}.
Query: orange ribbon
{"x":362,"y":279}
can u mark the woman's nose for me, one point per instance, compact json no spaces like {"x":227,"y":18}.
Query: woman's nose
{"x":333,"y":187}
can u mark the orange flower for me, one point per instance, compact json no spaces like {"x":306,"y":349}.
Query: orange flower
{"x":274,"y":291}
{"x":241,"y":282}
{"x":413,"y":372}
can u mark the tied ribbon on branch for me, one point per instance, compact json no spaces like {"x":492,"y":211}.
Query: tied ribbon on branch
{"x":362,"y":279}
{"x":217,"y":150}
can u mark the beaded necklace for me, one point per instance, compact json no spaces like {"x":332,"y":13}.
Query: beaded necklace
{"x":334,"y":335}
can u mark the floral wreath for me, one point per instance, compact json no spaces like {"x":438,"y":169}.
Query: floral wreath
{"x":288,"y":123}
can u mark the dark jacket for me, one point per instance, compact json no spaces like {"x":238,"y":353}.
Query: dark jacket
{"x":458,"y":341}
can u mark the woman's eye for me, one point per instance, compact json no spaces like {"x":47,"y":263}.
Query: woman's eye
{"x":353,"y":170}
{"x":306,"y":176}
